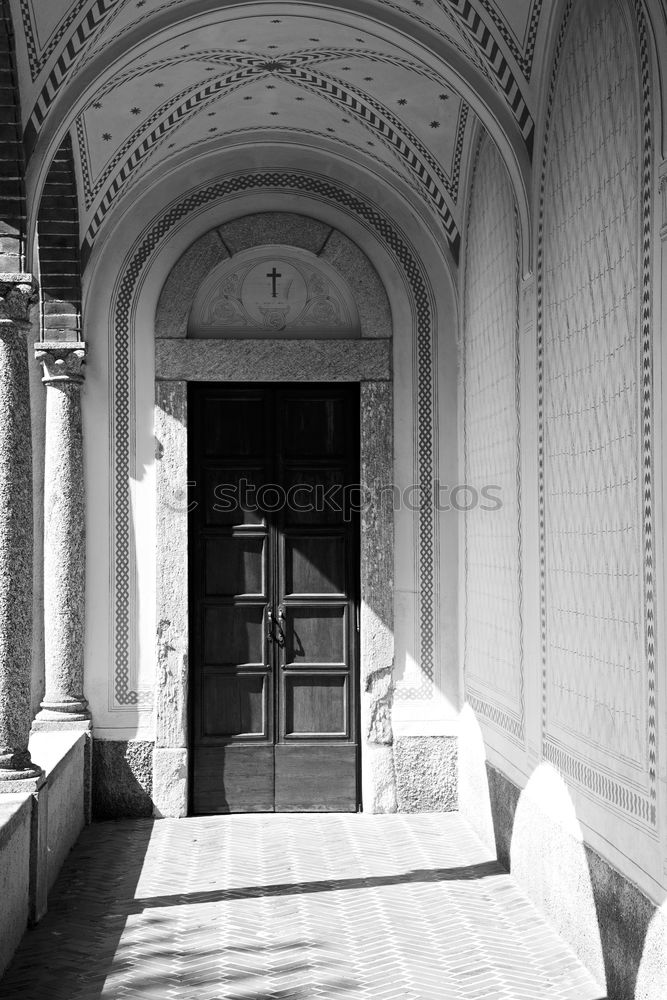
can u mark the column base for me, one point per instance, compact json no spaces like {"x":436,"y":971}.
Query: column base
{"x":62,"y":715}
{"x":27,"y":781}
{"x":59,"y":723}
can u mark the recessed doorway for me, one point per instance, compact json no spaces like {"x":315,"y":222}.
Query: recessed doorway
{"x":274,"y":597}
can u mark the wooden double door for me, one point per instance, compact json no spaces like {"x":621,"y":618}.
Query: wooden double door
{"x":274,"y":572}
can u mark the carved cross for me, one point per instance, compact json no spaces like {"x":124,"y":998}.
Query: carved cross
{"x":274,"y":275}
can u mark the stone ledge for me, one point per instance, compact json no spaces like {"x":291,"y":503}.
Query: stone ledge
{"x":12,"y":810}
{"x":52,"y":748}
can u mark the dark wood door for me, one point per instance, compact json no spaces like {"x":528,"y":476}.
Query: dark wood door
{"x":273,"y":597}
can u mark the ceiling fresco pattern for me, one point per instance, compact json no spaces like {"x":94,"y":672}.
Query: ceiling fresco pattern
{"x":296,"y":90}
{"x":193,"y":72}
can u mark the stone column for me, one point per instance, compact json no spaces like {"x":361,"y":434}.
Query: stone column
{"x":64,"y":537}
{"x":17,"y":771}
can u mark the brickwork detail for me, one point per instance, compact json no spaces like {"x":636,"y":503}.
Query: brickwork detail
{"x":12,"y":191}
{"x":492,"y":625}
{"x":59,"y":260}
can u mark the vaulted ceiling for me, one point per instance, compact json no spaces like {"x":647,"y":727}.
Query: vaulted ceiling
{"x":398,"y":84}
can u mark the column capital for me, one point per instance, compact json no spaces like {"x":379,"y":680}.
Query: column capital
{"x":61,"y":362}
{"x":18,"y":292}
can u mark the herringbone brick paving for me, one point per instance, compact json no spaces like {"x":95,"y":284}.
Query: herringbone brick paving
{"x":294,"y":907}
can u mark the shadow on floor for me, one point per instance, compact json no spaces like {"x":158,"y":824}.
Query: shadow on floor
{"x":99,"y":940}
{"x":466,"y":873}
{"x":96,"y":887}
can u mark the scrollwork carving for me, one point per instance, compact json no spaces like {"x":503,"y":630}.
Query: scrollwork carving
{"x":17,"y":294}
{"x":61,"y":362}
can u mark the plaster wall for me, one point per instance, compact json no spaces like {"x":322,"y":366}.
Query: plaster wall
{"x":63,"y":757}
{"x":15,"y":813}
{"x":37,"y":832}
{"x":568,"y":783}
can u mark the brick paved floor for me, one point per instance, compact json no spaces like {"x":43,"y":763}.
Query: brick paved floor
{"x":290,"y":908}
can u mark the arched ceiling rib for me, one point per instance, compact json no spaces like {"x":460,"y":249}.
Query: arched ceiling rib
{"x":134,"y":77}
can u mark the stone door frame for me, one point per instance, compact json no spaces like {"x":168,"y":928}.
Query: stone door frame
{"x":171,"y":753}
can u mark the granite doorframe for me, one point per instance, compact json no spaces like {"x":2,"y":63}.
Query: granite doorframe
{"x":324,"y":362}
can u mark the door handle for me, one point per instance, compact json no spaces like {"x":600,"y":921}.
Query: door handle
{"x":281,"y":621}
{"x":272,"y":625}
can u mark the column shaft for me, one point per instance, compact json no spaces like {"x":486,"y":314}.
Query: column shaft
{"x":16,"y":538}
{"x":64,"y":536}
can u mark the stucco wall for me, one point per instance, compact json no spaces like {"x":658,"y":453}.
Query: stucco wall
{"x":15,"y":812}
{"x":491,"y":634}
{"x":560,"y":771}
{"x":65,"y":765}
{"x":37,"y":832}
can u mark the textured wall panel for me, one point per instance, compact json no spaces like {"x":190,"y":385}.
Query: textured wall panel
{"x":493,"y":654}
{"x":595,"y":361}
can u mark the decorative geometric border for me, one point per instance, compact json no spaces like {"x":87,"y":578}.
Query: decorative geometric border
{"x":436,"y":187}
{"x":523,"y":55}
{"x":299,"y":133}
{"x":509,"y":722}
{"x":76,"y":42}
{"x":37,"y":60}
{"x":169,"y":114}
{"x":625,"y":799}
{"x":121,"y":395}
{"x":630,"y":804}
{"x":488,"y":48}
{"x":387,"y":126}
{"x":291,"y":60}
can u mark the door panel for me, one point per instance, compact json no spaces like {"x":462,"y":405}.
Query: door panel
{"x":233,"y":704}
{"x":233,"y":634}
{"x":315,"y":634}
{"x":315,"y":778}
{"x":314,"y":565}
{"x":246,"y":413}
{"x":233,"y":778}
{"x":273,"y":597}
{"x":315,"y":705}
{"x":230,"y":493}
{"x":318,"y":492}
{"x":235,"y":565}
